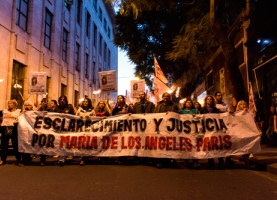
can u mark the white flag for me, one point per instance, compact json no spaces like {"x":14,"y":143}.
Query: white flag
{"x":252,"y":105}
{"x":158,"y":71}
{"x":160,"y":88}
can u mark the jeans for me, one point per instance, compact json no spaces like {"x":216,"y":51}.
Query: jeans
{"x":270,"y":134}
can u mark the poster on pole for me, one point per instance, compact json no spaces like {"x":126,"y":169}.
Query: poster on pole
{"x":137,"y":86}
{"x":107,"y":80}
{"x":37,"y":83}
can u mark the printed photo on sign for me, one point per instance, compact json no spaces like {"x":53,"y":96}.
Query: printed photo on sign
{"x":37,"y":83}
{"x":137,"y":86}
{"x":107,"y":80}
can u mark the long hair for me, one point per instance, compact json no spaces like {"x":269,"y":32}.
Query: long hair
{"x":123,"y":103}
{"x":184,"y":105}
{"x":198,"y":104}
{"x":213,"y":101}
{"x":241,"y":101}
{"x":89,"y":104}
{"x":63,"y":96}
{"x":106,"y":107}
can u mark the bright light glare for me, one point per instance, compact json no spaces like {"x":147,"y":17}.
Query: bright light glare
{"x":17,"y":86}
{"x":97,"y":92}
{"x":136,"y":78}
{"x":258,"y":40}
{"x":1,"y":80}
{"x":80,"y":100}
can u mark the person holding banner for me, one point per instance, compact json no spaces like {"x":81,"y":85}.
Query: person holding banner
{"x":102,"y":109}
{"x":53,"y":106}
{"x":198,"y":107}
{"x":211,"y":108}
{"x":9,"y":124}
{"x":188,"y":108}
{"x":143,"y":106}
{"x":85,"y":110}
{"x":242,"y":106}
{"x":120,"y":107}
{"x":28,"y":106}
{"x":164,"y":106}
{"x":66,"y":108}
{"x":223,"y":107}
{"x":43,"y":105}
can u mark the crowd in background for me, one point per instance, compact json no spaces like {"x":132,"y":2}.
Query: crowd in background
{"x":212,"y":104}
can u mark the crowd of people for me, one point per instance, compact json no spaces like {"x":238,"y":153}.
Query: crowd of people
{"x":212,"y":104}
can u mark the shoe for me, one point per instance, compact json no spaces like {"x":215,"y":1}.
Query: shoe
{"x":69,"y":157}
{"x":220,"y":166}
{"x":61,"y":163}
{"x":160,"y":166}
{"x":18,"y":163}
{"x":173,"y":163}
{"x":211,"y":167}
{"x":229,"y":162}
{"x":196,"y":166}
{"x":56,"y":156}
{"x":82,"y":163}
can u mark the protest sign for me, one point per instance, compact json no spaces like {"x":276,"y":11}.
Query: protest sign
{"x":158,"y":135}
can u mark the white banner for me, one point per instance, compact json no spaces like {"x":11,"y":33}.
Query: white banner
{"x":152,"y":135}
{"x":107,"y":81}
{"x":37,"y":83}
{"x":137,"y":86}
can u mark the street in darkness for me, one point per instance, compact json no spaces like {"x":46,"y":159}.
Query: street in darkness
{"x":114,"y":181}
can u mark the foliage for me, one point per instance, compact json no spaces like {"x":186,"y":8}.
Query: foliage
{"x":178,"y":32}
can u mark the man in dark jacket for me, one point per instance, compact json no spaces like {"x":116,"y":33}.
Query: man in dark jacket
{"x":66,"y":108}
{"x":143,"y":106}
{"x":166,"y":105}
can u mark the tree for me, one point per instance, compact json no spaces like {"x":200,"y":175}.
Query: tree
{"x":195,"y":36}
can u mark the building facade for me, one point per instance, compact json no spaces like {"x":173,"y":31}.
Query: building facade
{"x":69,"y":40}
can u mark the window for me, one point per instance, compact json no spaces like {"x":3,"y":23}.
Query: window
{"x":109,"y":32}
{"x":105,"y":24}
{"x":65,"y":36}
{"x":63,"y":89}
{"x":88,"y":24}
{"x":95,"y":36}
{"x":22,"y":13}
{"x":105,"y":52}
{"x":17,"y":78}
{"x":79,"y":10}
{"x":86,"y":65}
{"x":109,"y":59}
{"x":100,"y":14}
{"x":93,"y":72}
{"x":95,"y":5}
{"x":100,"y":44}
{"x":77,"y":56}
{"x":47,"y":29}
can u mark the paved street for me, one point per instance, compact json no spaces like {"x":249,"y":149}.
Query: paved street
{"x":114,"y":181}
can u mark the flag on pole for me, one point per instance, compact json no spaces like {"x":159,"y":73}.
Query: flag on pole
{"x":252,"y":105}
{"x":128,"y":98}
{"x":160,"y":88}
{"x":158,"y":71}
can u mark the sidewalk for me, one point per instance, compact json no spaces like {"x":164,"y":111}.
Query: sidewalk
{"x":266,"y":159}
